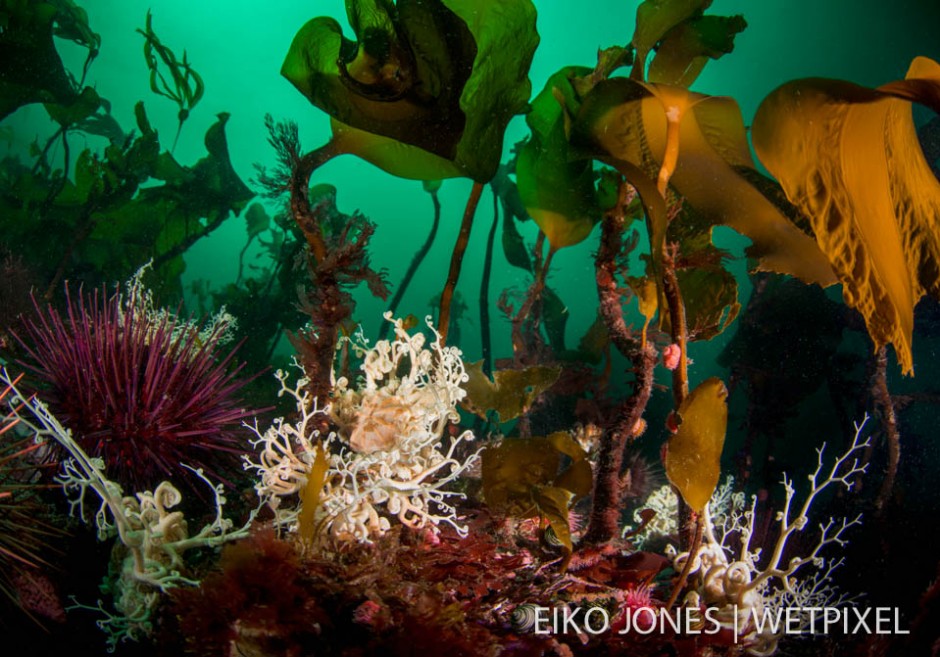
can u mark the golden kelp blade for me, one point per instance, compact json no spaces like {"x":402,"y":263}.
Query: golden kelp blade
{"x":849,"y":158}
{"x":625,"y":121}
{"x":693,"y":454}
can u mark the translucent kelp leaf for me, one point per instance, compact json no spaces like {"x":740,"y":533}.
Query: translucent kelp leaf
{"x":711,"y":300}
{"x":558,"y":191}
{"x":693,"y":454}
{"x":521,"y":478}
{"x":850,"y":159}
{"x":510,"y":393}
{"x":513,"y":470}
{"x":644,"y":289}
{"x":256,"y":220}
{"x":578,"y":477}
{"x":499,"y":86}
{"x":553,"y":505}
{"x":445,"y":77}
{"x":626,"y":122}
{"x":686,"y":48}
{"x":654,"y":18}
{"x":394,"y":157}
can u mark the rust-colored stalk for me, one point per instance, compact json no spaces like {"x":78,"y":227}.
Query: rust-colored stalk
{"x":519,"y":347}
{"x":693,"y":550}
{"x":890,"y":422}
{"x":413,"y":267}
{"x":456,"y":260}
{"x":604,"y":523}
{"x":299,"y":186}
{"x":678,"y":331}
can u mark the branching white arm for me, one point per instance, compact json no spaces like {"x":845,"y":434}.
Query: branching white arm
{"x":155,"y":536}
{"x":389,"y":450}
{"x":737,"y":584}
{"x":843,"y":471}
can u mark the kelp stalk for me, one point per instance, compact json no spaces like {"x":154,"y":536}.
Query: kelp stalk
{"x":300,"y":197}
{"x":485,"y":335}
{"x":415,"y":263}
{"x":889,"y":420}
{"x":678,"y":330}
{"x":671,"y":156}
{"x":456,"y":260}
{"x":693,"y":549}
{"x":604,"y":523}
{"x":529,"y":308}
{"x":187,"y":88}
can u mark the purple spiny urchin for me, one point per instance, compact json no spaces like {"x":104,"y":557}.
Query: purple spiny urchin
{"x":24,"y":537}
{"x":143,"y":391}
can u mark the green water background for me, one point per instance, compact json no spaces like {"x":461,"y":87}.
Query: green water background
{"x":238,"y":47}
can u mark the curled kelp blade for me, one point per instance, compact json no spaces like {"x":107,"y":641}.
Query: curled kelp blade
{"x":625,"y":123}
{"x":654,"y":19}
{"x":510,"y":393}
{"x":443,"y":76}
{"x":849,"y":158}
{"x":686,"y":48}
{"x":558,"y":190}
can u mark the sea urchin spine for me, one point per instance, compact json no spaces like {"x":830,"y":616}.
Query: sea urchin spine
{"x":142,"y":391}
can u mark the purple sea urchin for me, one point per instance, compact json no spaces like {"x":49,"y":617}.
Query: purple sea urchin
{"x":23,"y":535}
{"x":143,"y":391}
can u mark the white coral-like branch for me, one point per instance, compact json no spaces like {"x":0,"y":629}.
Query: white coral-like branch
{"x":736,"y":582}
{"x":155,"y":536}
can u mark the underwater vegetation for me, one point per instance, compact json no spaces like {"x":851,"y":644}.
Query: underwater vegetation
{"x":385,"y":495}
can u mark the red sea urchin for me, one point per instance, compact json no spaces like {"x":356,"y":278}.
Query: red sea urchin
{"x":143,"y":391}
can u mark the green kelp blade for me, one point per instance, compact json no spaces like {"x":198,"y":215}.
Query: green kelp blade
{"x":557,"y":190}
{"x":693,"y":454}
{"x":513,"y":470}
{"x":30,"y":68}
{"x":444,"y":77}
{"x":510,"y":393}
{"x":414,"y":101}
{"x":686,"y":48}
{"x":654,"y":18}
{"x":394,"y":157}
{"x":499,"y":86}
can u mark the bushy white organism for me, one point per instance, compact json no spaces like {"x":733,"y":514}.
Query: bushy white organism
{"x":732,"y":577}
{"x":665,"y":504}
{"x":387,"y":461}
{"x":138,"y":300}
